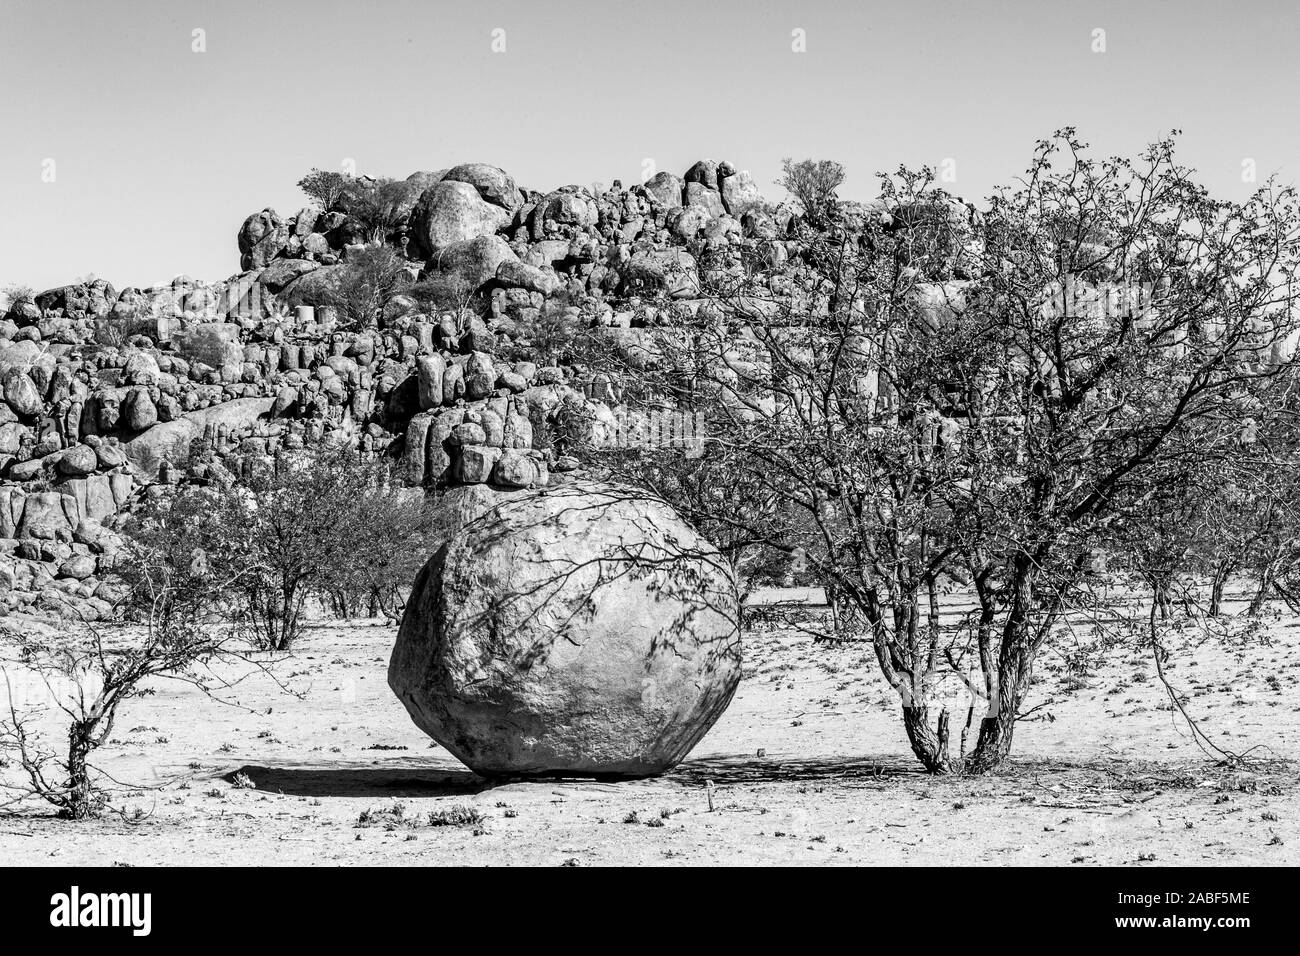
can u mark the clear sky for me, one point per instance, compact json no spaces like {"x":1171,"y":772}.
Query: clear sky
{"x":159,"y":152}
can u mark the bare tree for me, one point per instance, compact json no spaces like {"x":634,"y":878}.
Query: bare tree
{"x":1119,"y":325}
{"x":320,"y":523}
{"x":175,"y":627}
{"x":370,"y":278}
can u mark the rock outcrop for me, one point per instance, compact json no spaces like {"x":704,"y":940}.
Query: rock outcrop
{"x":107,"y":393}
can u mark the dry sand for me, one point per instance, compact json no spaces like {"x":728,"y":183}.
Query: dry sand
{"x":809,"y":766}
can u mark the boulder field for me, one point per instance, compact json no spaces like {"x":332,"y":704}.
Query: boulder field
{"x":109,"y":394}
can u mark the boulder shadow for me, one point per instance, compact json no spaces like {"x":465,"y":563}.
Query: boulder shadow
{"x":392,"y":781}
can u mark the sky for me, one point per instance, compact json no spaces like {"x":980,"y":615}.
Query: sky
{"x":132,"y":147}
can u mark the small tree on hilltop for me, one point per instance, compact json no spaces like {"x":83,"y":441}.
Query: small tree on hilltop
{"x":813,"y":183}
{"x":325,"y":187}
{"x":379,"y":204}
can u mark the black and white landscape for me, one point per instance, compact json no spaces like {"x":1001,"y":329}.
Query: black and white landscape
{"x":415,"y":450}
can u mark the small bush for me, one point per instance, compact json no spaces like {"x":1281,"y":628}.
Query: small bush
{"x":329,"y":523}
{"x":458,"y":816}
{"x":812,"y":182}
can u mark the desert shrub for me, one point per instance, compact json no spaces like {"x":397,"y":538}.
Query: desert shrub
{"x":321,"y":524}
{"x":378,"y":204}
{"x":812,"y":182}
{"x":172,"y":622}
{"x":398,"y":816}
{"x":449,"y":292}
{"x":370,"y":277}
{"x":13,"y":293}
{"x":324,"y":187}
{"x":550,"y":336}
{"x":459,"y":815}
{"x":117,"y":330}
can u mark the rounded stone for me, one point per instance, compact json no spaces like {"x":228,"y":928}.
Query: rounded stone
{"x":579,"y":631}
{"x":78,"y":461}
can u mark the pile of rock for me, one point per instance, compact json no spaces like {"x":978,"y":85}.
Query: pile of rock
{"x":104,"y":392}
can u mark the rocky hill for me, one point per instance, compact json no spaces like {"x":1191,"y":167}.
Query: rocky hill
{"x":110,"y":393}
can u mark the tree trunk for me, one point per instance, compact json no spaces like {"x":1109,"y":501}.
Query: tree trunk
{"x":81,"y":797}
{"x":1164,"y":602}
{"x":929,"y":745}
{"x":1218,"y":581}
{"x":1265,"y":589}
{"x":993,"y":743}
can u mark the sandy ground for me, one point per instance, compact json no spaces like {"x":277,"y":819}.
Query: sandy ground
{"x":809,"y":766}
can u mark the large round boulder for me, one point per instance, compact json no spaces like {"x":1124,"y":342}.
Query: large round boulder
{"x":494,"y":184}
{"x":582,"y":630}
{"x":450,"y":212}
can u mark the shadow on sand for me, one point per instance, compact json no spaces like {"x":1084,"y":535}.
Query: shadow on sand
{"x":403,"y":780}
{"x":391,"y":781}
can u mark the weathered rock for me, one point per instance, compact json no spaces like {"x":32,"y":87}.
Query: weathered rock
{"x":78,"y":567}
{"x":48,"y":515}
{"x":21,"y":393}
{"x":480,"y":376}
{"x":453,"y":384}
{"x":12,"y":501}
{"x":261,"y":238}
{"x":476,"y":462}
{"x":670,"y":270}
{"x":283,"y":271}
{"x":212,"y":343}
{"x":569,"y":206}
{"x":77,"y":461}
{"x":99,"y":496}
{"x":165,"y":442}
{"x":320,"y":287}
{"x":666,"y":189}
{"x":236,"y":414}
{"x":513,"y":274}
{"x":18,"y":354}
{"x":517,"y":468}
{"x":414,"y":455}
{"x":495,"y":185}
{"x":430,"y":369}
{"x":110,"y":454}
{"x":468,"y":433}
{"x":141,"y":368}
{"x":740,"y":194}
{"x":138,"y":411}
{"x":450,"y":212}
{"x":704,"y":172}
{"x":707,"y":199}
{"x":459,"y":269}
{"x":577,"y":631}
